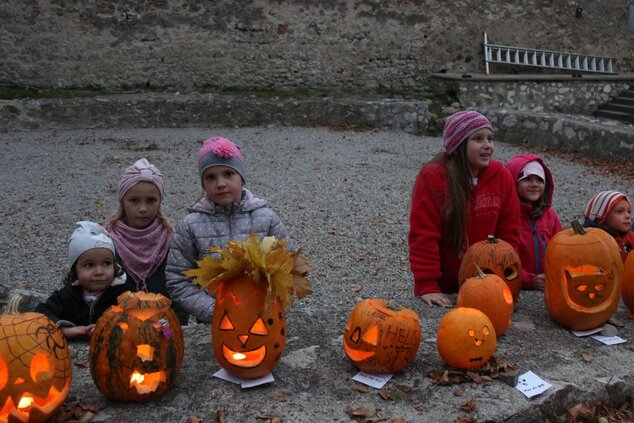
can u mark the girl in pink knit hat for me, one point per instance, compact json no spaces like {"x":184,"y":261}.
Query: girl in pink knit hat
{"x":612,"y":212}
{"x":459,"y":198}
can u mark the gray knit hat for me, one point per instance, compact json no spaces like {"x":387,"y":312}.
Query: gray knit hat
{"x":218,"y":151}
{"x":86,"y":236}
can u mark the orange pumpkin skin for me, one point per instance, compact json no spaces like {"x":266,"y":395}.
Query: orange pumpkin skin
{"x":628,"y":284}
{"x":492,"y":296}
{"x":466,"y":338}
{"x":583,"y":277}
{"x":380,"y":337}
{"x":34,"y":358}
{"x":248,"y":339}
{"x":493,"y":256}
{"x":136,"y":350}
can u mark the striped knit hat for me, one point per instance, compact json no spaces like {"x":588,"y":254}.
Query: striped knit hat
{"x":602,"y":203}
{"x":460,"y":126}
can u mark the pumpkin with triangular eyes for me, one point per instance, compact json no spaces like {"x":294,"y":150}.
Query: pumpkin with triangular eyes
{"x":248,"y":338}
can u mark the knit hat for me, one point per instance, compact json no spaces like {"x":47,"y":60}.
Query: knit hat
{"x":532,"y":168}
{"x":86,"y":236}
{"x":460,"y":126}
{"x":602,"y":203}
{"x":140,"y":171}
{"x":218,"y":151}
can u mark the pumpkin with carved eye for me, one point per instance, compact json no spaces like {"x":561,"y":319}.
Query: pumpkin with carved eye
{"x":248,"y":339}
{"x":35,"y":368}
{"x":490,"y":295}
{"x":136,"y":349}
{"x":466,"y":338}
{"x":493,"y":256}
{"x":628,"y":283}
{"x":583,"y":272}
{"x":381,"y":337}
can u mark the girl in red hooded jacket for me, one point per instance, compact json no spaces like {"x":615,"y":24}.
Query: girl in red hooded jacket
{"x":459,"y":198}
{"x":539,"y":221}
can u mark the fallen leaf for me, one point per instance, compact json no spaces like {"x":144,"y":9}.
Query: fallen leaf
{"x":194,"y":419}
{"x":278,"y":397}
{"x":357,"y":412}
{"x":360,"y":388}
{"x":81,"y":363}
{"x":459,"y":391}
{"x":404,"y":388}
{"x":221,"y":416}
{"x":616,"y":322}
{"x":469,"y":406}
{"x":385,"y":394}
{"x":586,"y":357}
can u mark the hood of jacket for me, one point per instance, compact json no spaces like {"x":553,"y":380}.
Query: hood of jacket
{"x":517,"y":163}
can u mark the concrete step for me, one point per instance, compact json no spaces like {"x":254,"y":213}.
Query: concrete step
{"x":611,"y":114}
{"x":622,"y":100}
{"x":625,"y":108}
{"x":628,"y":93}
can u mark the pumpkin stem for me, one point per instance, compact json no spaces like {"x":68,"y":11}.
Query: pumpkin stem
{"x":491,"y":239}
{"x":576,"y":226}
{"x":14,"y":302}
{"x":481,"y":274}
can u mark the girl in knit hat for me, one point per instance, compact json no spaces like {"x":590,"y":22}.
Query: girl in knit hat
{"x":459,"y":198}
{"x":92,"y":285}
{"x":140,"y":231}
{"x":612,"y":212}
{"x":539,"y":221}
{"x":226,"y":211}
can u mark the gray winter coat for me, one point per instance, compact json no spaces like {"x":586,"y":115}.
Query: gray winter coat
{"x":209,"y":224}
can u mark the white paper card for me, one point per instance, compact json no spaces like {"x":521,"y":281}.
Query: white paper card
{"x":530,"y":384}
{"x":375,"y":381}
{"x":609,"y":340}
{"x":581,"y":333}
{"x":244,"y":383}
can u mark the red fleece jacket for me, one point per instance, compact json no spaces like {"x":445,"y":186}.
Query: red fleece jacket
{"x":494,"y":211}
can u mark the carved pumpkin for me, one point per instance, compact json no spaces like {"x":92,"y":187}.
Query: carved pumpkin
{"x":491,"y":295}
{"x":136,"y":349}
{"x":583,"y":271}
{"x":466,"y":338}
{"x":628,"y":284}
{"x":493,"y":256}
{"x":381,"y":337}
{"x":35,"y":368}
{"x":248,"y":338}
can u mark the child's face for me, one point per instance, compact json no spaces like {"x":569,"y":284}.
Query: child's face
{"x":620,"y":217}
{"x":141,"y":204}
{"x":479,"y":150}
{"x":530,"y":189}
{"x":95,"y":269}
{"x":222,"y":184}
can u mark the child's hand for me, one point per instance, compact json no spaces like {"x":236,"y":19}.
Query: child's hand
{"x":74,"y":332}
{"x":437,"y":298}
{"x":539,"y":281}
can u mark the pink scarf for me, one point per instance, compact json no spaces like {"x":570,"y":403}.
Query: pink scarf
{"x":141,"y":250}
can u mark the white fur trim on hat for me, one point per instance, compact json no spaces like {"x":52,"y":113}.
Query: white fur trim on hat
{"x":532,"y":168}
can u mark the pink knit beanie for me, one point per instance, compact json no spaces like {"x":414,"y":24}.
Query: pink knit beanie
{"x":140,"y":171}
{"x":602,"y":203}
{"x":218,"y":151}
{"x":460,"y":126}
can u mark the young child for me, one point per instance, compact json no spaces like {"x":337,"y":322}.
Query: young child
{"x":141,"y":232}
{"x":227,"y":211}
{"x":459,"y":198}
{"x":538,"y":221}
{"x":92,"y":285}
{"x":612,"y":212}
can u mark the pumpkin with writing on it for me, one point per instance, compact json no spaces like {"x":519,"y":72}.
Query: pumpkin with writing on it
{"x":136,"y":349}
{"x":628,"y":284}
{"x":491,"y":295}
{"x":493,"y":256}
{"x":466,"y":338}
{"x":583,"y":271}
{"x":381,"y":337}
{"x":35,"y":367}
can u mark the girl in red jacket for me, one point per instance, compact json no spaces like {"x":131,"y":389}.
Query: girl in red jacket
{"x":539,"y":221}
{"x":459,"y":198}
{"x":612,"y":212}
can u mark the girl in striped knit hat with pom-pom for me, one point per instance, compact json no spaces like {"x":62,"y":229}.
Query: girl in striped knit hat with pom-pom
{"x":612,"y":212}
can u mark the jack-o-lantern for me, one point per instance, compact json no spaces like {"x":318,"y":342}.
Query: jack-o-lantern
{"x":381,"y":337}
{"x":628,"y":283}
{"x":35,"y":368}
{"x":493,"y":256}
{"x":136,"y":349}
{"x":583,"y":272}
{"x":253,"y":280}
{"x":491,"y":295}
{"x":466,"y":338}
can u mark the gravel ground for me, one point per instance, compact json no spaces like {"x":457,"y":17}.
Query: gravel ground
{"x":344,"y":197}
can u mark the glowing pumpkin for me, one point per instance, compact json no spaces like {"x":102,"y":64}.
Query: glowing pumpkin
{"x":493,"y":256}
{"x":466,"y":338}
{"x":381,"y":337}
{"x":136,"y":349}
{"x":35,"y":368}
{"x":583,"y":272}
{"x":628,"y":284}
{"x":248,"y":338}
{"x":492,"y":296}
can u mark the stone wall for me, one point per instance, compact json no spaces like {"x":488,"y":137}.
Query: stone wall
{"x":381,"y":45}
